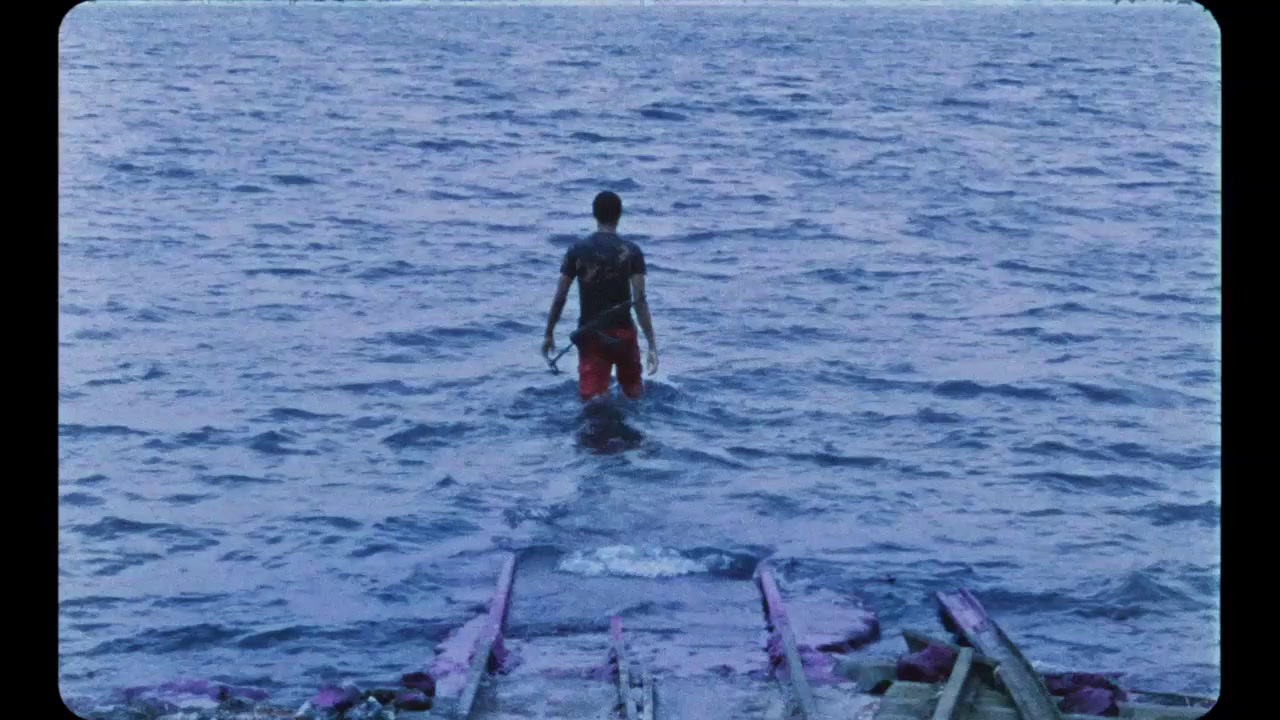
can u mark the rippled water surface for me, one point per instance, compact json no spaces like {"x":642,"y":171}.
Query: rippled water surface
{"x":936,"y":288}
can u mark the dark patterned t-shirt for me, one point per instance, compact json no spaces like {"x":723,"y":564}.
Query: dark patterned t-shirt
{"x":603,"y":264}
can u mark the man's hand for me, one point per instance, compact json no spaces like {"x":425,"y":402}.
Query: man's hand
{"x":548,"y":344}
{"x":652,"y":359}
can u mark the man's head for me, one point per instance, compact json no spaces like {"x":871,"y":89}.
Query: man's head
{"x":607,"y":208}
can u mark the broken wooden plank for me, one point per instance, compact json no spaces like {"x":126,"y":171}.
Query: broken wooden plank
{"x":488,"y":637}
{"x":1020,"y":680}
{"x":646,"y":693}
{"x":915,"y":699}
{"x":956,"y":691}
{"x":983,"y":667}
{"x":624,"y":674}
{"x":917,"y":691}
{"x":780,"y":628}
{"x":868,"y":677}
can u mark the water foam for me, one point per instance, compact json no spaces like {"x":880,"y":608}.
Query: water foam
{"x":629,"y":561}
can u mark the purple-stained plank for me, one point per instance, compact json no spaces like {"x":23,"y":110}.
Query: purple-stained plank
{"x":1021,"y":682}
{"x":490,"y":632}
{"x":624,"y":672}
{"x":782,"y":643}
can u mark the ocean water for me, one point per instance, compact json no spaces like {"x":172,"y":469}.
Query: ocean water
{"x":936,"y":289}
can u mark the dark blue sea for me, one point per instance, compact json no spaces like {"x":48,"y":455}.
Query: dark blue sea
{"x":936,"y":289}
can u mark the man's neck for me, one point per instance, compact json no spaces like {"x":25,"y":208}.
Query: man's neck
{"x":601,"y":227}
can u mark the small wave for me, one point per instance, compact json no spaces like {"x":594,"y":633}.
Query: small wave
{"x":95,"y":335}
{"x":929,"y":415}
{"x":826,"y":459}
{"x":279,"y":272}
{"x":333,"y":521}
{"x":203,"y":636}
{"x":275,"y":443}
{"x":1118,"y":485}
{"x":444,"y":145}
{"x":1098,"y":394}
{"x":414,"y":530}
{"x":235,"y":480}
{"x":589,"y":137}
{"x":114,"y":528}
{"x":386,"y":387}
{"x":969,"y":389}
{"x":1208,"y":514}
{"x":272,"y":638}
{"x":395,"y":268}
{"x":574,"y":63}
{"x":1045,"y":512}
{"x":1155,"y":159}
{"x":659,"y":114}
{"x":186,"y":498}
{"x":148,"y":315}
{"x":77,"y":431}
{"x":1064,"y":338}
{"x":1082,"y":170}
{"x":1066,"y":307}
{"x":623,"y":185}
{"x":371,"y":549}
{"x":748,"y":453}
{"x":80,"y":499}
{"x":1170,"y":297}
{"x":282,"y":414}
{"x":1143,"y":184}
{"x":988,"y":193}
{"x":204,"y":436}
{"x":249,"y":189}
{"x":772,"y":114}
{"x":837,"y":133}
{"x":294,"y":180}
{"x":347,"y":221}
{"x":850,"y":276}
{"x":1020,"y":266}
{"x":959,"y":102}
{"x":424,"y":435}
{"x":1052,"y":448}
{"x":1134,"y":451}
{"x":1136,"y":594}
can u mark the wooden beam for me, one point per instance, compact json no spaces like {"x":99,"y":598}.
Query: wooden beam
{"x":647,"y":692}
{"x":624,"y":674}
{"x":1025,"y":687}
{"x":983,"y":666}
{"x":957,"y":689}
{"x":488,"y":636}
{"x":780,"y":625}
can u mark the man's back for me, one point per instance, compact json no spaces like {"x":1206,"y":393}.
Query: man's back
{"x":608,"y":270}
{"x":603,"y":265}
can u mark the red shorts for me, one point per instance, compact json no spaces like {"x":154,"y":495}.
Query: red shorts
{"x":596,"y":360}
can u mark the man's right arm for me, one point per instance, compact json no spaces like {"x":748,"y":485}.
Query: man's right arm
{"x":642,"y":310}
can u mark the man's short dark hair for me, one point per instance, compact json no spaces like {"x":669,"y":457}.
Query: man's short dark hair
{"x":607,"y":208}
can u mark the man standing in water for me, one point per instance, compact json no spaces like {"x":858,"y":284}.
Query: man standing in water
{"x":610,"y":273}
